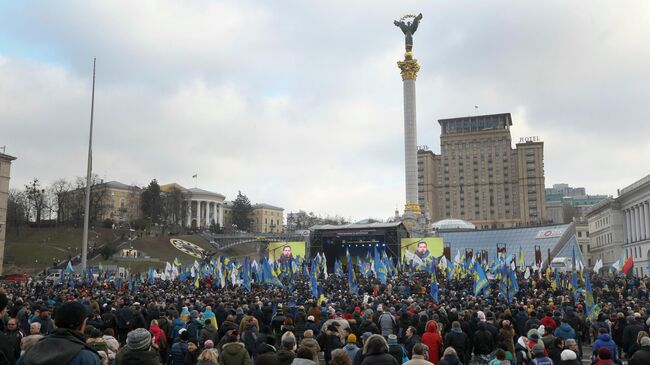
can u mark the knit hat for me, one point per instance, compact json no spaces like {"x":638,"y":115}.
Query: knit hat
{"x":194,"y":314}
{"x":139,"y":339}
{"x":481,"y":316}
{"x":568,"y":355}
{"x":533,"y":335}
{"x":538,"y":350}
{"x":289,"y":342}
{"x":208,"y":344}
{"x":604,"y":353}
{"x":365,"y":335}
{"x":392,"y":340}
{"x":352,"y":338}
{"x":645,"y":341}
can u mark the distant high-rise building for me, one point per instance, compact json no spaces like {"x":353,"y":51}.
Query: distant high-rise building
{"x":563,"y":203}
{"x":565,"y":190}
{"x":479,"y":177}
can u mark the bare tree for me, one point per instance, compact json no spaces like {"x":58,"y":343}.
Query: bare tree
{"x":35,"y":195}
{"x":59,"y":191}
{"x":17,"y":210}
{"x":174,"y":207}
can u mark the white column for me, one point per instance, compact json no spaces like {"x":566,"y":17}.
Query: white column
{"x":641,"y":222}
{"x":221,"y":215}
{"x":207,"y":214}
{"x":633,"y":225}
{"x":198,"y":213}
{"x":627,"y":225}
{"x":637,"y":215}
{"x":646,"y":207}
{"x":189,"y":213}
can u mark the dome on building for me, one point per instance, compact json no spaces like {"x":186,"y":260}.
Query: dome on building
{"x":452,"y":224}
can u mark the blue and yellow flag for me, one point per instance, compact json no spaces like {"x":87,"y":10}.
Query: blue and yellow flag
{"x":353,"y":285}
{"x":380,"y":268}
{"x":269,"y":275}
{"x":481,"y":281}
{"x":313,"y":282}
{"x":246,"y":284}
{"x":434,"y":286}
{"x":338,"y":268}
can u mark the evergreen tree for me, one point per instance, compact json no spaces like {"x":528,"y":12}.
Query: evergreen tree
{"x":152,"y":202}
{"x":241,"y":211}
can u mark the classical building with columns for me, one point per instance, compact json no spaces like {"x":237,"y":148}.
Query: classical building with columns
{"x":207,"y":207}
{"x":606,"y":231}
{"x":634,"y":203}
{"x":204,"y":208}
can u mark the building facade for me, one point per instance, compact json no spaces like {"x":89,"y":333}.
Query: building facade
{"x":560,"y":207}
{"x":267,"y":218}
{"x":480,"y":178}
{"x":5,"y":173}
{"x":264,"y":218}
{"x":606,"y":231}
{"x":582,"y":235}
{"x":111,"y":200}
{"x":634,"y":203}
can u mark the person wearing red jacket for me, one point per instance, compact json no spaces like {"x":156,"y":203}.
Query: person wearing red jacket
{"x":159,"y":340}
{"x":549,"y":322}
{"x":433,"y":340}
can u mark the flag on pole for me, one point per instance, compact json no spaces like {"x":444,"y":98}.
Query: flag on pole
{"x":434,"y":286}
{"x":629,"y":264}
{"x":269,"y":275}
{"x":380,"y":268}
{"x":481,"y":281}
{"x":353,"y":285}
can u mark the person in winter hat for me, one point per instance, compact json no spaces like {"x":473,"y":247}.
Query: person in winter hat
{"x":351,"y":347}
{"x":569,"y":357}
{"x":138,"y":349}
{"x":539,"y":358}
{"x":604,"y":357}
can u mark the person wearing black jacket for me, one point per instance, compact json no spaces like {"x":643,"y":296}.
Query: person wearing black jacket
{"x":375,"y":352}
{"x":7,"y":349}
{"x":483,"y":342}
{"x":642,"y":355}
{"x":332,"y":342}
{"x":411,"y":338}
{"x":630,"y":333}
{"x":459,"y":340}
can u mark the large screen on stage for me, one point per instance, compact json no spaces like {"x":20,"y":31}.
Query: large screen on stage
{"x":421,"y":248}
{"x":285,"y":251}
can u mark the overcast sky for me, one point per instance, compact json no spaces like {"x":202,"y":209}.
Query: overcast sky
{"x":299,"y":103}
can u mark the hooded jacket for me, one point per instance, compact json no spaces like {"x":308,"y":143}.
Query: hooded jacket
{"x":63,"y":346}
{"x":234,"y":353}
{"x":376,"y":352}
{"x":605,"y":340}
{"x":432,"y":339}
{"x":565,"y":331}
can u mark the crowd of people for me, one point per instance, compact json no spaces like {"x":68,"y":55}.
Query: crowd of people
{"x":180,"y":323}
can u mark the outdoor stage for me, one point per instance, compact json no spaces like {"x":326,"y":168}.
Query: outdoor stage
{"x":358,"y":239}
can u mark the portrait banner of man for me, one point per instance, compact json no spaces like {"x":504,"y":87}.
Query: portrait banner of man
{"x":285,"y":252}
{"x":422,"y":248}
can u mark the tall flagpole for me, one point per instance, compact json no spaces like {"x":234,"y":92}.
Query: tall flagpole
{"x":84,"y":245}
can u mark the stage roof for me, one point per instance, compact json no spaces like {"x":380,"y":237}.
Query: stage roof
{"x":326,"y":227}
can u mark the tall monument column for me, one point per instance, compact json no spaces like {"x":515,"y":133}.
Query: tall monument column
{"x":409,"y":68}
